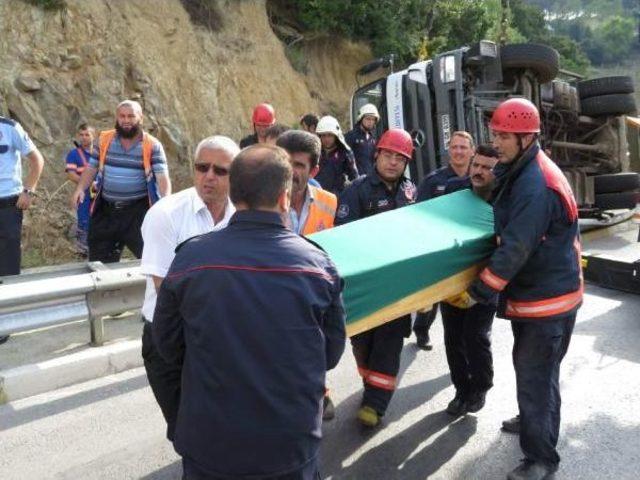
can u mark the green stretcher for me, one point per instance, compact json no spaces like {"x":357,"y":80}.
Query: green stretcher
{"x":400,"y":261}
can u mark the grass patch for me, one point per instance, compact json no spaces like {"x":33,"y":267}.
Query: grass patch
{"x":48,"y":4}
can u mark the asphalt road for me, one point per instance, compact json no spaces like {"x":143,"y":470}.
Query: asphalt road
{"x":111,"y":428}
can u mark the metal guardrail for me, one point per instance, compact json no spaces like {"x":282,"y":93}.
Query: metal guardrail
{"x":49,"y":296}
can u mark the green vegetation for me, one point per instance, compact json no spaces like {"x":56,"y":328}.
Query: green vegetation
{"x":48,"y":4}
{"x":584,"y":32}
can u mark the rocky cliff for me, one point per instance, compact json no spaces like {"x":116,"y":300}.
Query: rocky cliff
{"x":58,"y":69}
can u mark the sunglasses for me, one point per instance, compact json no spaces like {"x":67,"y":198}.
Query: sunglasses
{"x":217,"y":171}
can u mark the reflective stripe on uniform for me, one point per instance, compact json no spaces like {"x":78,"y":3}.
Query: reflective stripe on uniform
{"x":380,"y":380}
{"x":545,"y":308}
{"x":493,"y":280}
{"x":322,"y":211}
{"x":377,"y":379}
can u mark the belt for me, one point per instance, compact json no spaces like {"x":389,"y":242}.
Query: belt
{"x":7,"y":202}
{"x":121,"y":204}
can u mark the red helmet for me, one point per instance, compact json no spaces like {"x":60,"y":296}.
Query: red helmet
{"x":398,"y":141}
{"x":263,"y":115}
{"x":516,"y":115}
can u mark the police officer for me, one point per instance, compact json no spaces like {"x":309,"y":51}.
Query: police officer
{"x":377,"y":351}
{"x":337,"y":164}
{"x":536,"y":272}
{"x":262,"y":118}
{"x":362,"y":139}
{"x":15,"y":196}
{"x":253,"y":316}
{"x":448,"y":179}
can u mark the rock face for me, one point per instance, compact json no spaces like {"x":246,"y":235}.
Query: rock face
{"x":66,"y":67}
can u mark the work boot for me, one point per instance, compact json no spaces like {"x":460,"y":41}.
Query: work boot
{"x":328,"y":409}
{"x":475,"y":401}
{"x":512,"y":425}
{"x":368,"y":416}
{"x":530,"y":470}
{"x":457,"y":406}
{"x":423,"y":341}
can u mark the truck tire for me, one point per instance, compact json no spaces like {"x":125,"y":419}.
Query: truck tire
{"x":605,"y":86}
{"x":612,"y":201}
{"x":616,"y":182}
{"x":543,"y":60}
{"x":613,"y":104}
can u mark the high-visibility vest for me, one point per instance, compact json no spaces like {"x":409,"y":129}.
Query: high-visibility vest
{"x":104,"y":142}
{"x":322,"y":211}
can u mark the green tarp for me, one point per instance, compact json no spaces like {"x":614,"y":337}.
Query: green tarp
{"x":387,"y":257}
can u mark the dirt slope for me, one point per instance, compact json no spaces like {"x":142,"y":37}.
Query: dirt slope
{"x":58,"y":69}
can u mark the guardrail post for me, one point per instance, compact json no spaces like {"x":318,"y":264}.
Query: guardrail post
{"x":96,"y":325}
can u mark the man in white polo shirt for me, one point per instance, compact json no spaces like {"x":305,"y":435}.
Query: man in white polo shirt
{"x":172,"y":220}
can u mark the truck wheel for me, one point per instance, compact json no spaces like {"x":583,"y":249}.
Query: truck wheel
{"x":612,"y":201}
{"x":616,"y":182}
{"x":613,"y":104}
{"x":605,"y":86}
{"x":543,"y":60}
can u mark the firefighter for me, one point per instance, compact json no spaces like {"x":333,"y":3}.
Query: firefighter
{"x":262,"y":118}
{"x":535,"y":270}
{"x":448,"y":179}
{"x":377,"y":351}
{"x":362,"y":138}
{"x":337,"y":164}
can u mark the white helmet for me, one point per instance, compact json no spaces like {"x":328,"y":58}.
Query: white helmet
{"x":329,"y":124}
{"x":368,"y":109}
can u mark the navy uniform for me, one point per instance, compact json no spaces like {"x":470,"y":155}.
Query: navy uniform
{"x":439,"y":182}
{"x":363,"y":145}
{"x":377,"y":351}
{"x":336,"y":167}
{"x":253,"y":316}
{"x":249,"y":140}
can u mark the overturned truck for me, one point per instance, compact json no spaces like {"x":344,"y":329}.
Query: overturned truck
{"x":585,"y":123}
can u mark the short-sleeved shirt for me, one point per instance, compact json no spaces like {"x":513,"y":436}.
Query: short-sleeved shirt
{"x":14,"y":144}
{"x":171,"y":221}
{"x":124,"y":178}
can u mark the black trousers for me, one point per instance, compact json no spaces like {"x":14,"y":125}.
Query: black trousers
{"x":309,"y":472}
{"x":424,"y":320}
{"x":467,"y":340}
{"x":164,"y":379}
{"x":10,"y":231}
{"x":111,"y":229}
{"x":538,"y":350}
{"x":377,"y":353}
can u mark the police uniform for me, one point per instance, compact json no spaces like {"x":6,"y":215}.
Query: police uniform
{"x":336,"y":166}
{"x":14,"y":144}
{"x":377,"y":351}
{"x":253,"y":316}
{"x":363,"y":145}
{"x":439,"y":182}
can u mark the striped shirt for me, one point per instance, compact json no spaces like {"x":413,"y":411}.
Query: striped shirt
{"x":124,"y":178}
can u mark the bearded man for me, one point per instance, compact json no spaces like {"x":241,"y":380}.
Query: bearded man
{"x":132,"y":174}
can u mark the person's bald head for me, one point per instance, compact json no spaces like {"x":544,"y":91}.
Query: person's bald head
{"x":259,"y":176}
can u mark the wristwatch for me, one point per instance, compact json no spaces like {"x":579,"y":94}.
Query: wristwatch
{"x":29,"y":191}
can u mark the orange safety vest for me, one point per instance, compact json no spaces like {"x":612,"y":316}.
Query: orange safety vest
{"x":105,"y":139}
{"x":322,"y":211}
